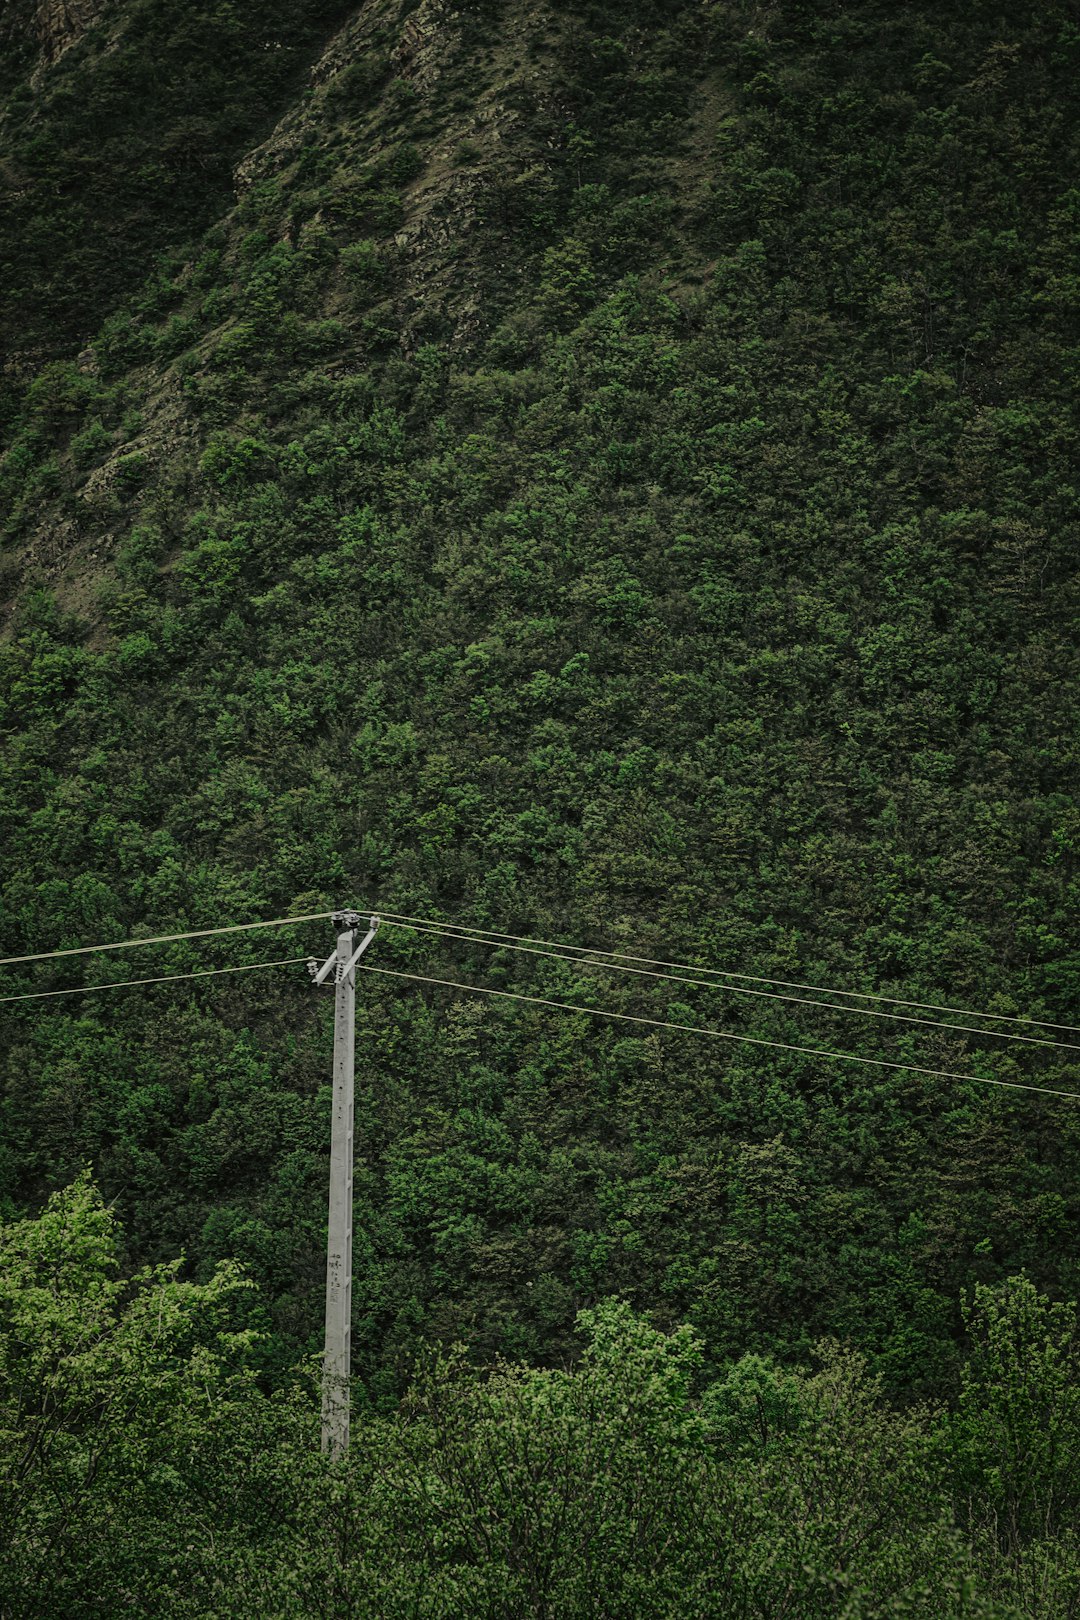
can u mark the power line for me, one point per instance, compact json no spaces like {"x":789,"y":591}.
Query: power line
{"x":735,"y":989}
{"x":564,"y":1006}
{"x":166,"y":939}
{"x":489,"y":936}
{"x":464,"y":931}
{"x":165,"y":978}
{"x":717,"y":1034}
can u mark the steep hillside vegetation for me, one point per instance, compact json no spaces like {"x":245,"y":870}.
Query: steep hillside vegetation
{"x":601,"y":472}
{"x":119,"y":127}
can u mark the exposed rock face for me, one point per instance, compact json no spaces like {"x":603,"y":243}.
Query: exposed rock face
{"x":427,"y":38}
{"x":58,"y":24}
{"x":482,"y":149}
{"x":418,"y":55}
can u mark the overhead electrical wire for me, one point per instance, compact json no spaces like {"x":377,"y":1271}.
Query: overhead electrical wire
{"x":166,"y":939}
{"x":465,"y":931}
{"x":488,"y":936}
{"x":737,"y":990}
{"x":164,"y":978}
{"x":564,"y":1006}
{"x":716,"y":1034}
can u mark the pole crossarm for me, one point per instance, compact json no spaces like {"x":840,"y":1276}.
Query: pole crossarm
{"x":318,"y":974}
{"x":349,"y":920}
{"x":343,"y":972}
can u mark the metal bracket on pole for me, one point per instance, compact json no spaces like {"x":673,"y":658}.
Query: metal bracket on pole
{"x":349,"y":920}
{"x":318,"y":974}
{"x":343,"y":972}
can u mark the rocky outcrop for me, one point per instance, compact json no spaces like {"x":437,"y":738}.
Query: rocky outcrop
{"x":479,"y":164}
{"x":422,"y":48}
{"x":59,"y":24}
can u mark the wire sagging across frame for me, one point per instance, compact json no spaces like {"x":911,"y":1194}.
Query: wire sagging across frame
{"x":718,"y":977}
{"x":565,"y":1006}
{"x":612,"y":966}
{"x":487,"y":935}
{"x":717,"y":1034}
{"x":164,"y":978}
{"x":165,"y":939}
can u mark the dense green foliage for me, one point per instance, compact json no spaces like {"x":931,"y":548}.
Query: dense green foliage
{"x":142,"y":1471}
{"x":609,"y":472}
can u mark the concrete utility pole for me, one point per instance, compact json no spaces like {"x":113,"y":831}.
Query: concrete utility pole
{"x":337,"y":1351}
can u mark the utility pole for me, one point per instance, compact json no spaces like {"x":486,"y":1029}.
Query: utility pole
{"x":337,"y":1350}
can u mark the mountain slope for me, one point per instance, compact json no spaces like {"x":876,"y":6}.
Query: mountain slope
{"x":607,"y":475}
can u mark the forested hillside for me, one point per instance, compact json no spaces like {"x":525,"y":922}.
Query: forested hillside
{"x":602,"y":473}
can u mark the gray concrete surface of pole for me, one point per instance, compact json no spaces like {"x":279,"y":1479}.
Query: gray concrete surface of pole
{"x":337,"y":1352}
